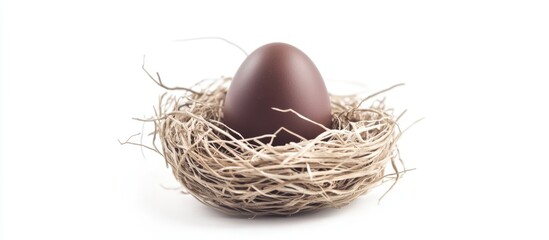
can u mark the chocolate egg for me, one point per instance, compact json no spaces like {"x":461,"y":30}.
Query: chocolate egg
{"x":277,"y":75}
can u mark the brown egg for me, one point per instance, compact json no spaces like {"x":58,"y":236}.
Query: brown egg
{"x":281,"y":76}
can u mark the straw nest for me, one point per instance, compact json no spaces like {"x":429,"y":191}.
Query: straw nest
{"x":247,"y":177}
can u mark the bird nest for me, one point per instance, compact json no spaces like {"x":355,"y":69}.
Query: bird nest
{"x":246,"y":176}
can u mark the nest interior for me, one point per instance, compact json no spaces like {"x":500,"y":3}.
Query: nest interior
{"x":247,"y":177}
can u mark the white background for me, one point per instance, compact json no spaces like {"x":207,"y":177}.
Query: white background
{"x":71,"y":83}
